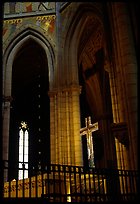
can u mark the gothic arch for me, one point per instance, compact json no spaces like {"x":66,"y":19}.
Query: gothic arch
{"x":77,"y":29}
{"x":11,"y":50}
{"x":27,"y":33}
{"x":99,"y":98}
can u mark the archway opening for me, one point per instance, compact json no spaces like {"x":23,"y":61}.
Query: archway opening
{"x":95,"y":97}
{"x":30,"y":85}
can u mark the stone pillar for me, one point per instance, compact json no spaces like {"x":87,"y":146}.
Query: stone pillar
{"x":75,"y":124}
{"x":66,"y":144}
{"x":113,"y":92}
{"x":118,"y":118}
{"x":126,"y":75}
{"x":120,"y":133}
{"x":5,"y":133}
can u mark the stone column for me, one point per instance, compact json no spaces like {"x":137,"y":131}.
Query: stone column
{"x":5,"y":133}
{"x":118,"y":118}
{"x":126,"y":75}
{"x":75,"y":125}
{"x":66,"y":144}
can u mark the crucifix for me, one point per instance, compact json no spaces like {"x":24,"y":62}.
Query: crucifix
{"x":88,"y":132}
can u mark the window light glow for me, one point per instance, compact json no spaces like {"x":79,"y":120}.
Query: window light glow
{"x":23,"y":151}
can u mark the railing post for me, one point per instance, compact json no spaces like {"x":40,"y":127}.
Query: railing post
{"x":113,"y":185}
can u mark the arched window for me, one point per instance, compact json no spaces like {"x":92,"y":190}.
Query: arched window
{"x":23,"y":151}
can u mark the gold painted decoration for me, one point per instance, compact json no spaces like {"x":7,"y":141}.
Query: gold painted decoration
{"x":10,"y":26}
{"x":13,"y":21}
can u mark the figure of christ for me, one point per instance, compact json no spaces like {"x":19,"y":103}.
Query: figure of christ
{"x":88,"y":132}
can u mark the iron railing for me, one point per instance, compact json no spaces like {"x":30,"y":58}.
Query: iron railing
{"x":65,"y":183}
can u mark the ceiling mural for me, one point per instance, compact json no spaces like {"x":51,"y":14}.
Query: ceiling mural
{"x":47,"y":23}
{"x":39,"y":14}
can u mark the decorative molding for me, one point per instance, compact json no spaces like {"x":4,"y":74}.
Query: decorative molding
{"x":33,"y":9}
{"x":64,"y":5}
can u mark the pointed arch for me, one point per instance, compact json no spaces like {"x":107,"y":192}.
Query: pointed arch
{"x":72,"y":45}
{"x":74,"y":33}
{"x":82,"y":43}
{"x":15,"y":45}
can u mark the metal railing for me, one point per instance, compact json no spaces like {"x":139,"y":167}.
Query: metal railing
{"x":64,"y":183}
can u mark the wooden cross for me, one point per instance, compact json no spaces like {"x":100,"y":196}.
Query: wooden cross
{"x":88,"y":132}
